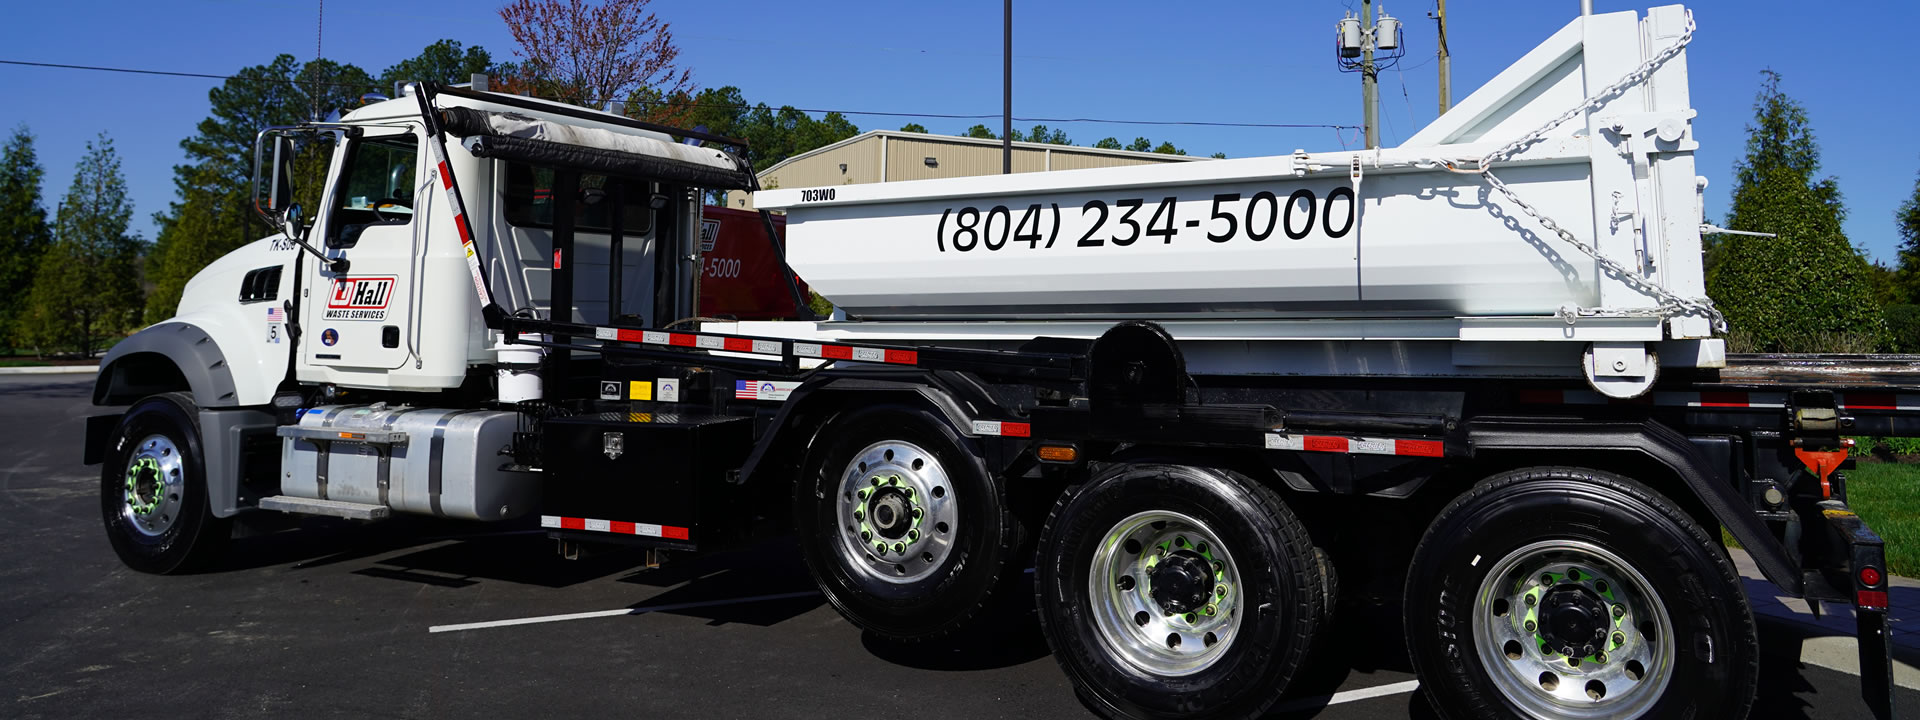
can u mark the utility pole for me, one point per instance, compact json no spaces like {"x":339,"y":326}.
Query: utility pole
{"x":1006,"y":98}
{"x":1369,"y":83}
{"x":1446,"y":61}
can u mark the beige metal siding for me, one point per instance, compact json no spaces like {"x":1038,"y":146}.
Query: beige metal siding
{"x":907,"y":160}
{"x":861,"y":158}
{"x":1069,"y":160}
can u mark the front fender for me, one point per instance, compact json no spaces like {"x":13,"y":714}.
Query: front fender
{"x":171,"y":356}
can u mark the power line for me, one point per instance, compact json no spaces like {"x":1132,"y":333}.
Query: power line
{"x":733,"y":106}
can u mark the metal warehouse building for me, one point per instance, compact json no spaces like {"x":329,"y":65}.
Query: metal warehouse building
{"x":891,"y":155}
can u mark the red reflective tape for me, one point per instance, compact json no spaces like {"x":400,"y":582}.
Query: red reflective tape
{"x":621,"y":526}
{"x":1870,"y":401}
{"x":1541,"y":397}
{"x":673,"y":533}
{"x":460,"y":223}
{"x":1321,"y":443}
{"x":1419,"y":448}
{"x":1870,"y":599}
{"x":739,"y":345}
{"x":1013,"y":429}
{"x":629,"y":335}
{"x":680,"y":339}
{"x":903,"y":357}
{"x":1723,"y":398}
{"x":836,"y":352}
{"x":556,"y":260}
{"x":573,"y":523}
{"x":446,"y":177}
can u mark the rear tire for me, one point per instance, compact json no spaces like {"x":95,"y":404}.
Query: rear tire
{"x":904,"y":529}
{"x":153,"y":489}
{"x":1538,"y":562}
{"x":1116,"y":561}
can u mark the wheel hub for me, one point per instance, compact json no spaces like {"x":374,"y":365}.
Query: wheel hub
{"x":154,"y":475}
{"x":1574,"y":620}
{"x":1182,"y":583}
{"x":898,"y":513}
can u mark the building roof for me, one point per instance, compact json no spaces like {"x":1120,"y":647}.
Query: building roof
{"x":959,"y":140}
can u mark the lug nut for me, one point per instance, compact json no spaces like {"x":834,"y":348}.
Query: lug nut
{"x":913,"y":535}
{"x":866,"y":534}
{"x":1546,"y":579}
{"x":880,"y":547}
{"x":1190,"y":618}
{"x":1210,"y":610}
{"x":1619,"y":639}
{"x":917,"y":513}
{"x":1600,"y":656}
{"x":875,"y":480}
{"x":1219,"y":591}
{"x":857,"y":515}
{"x":1619,"y":611}
{"x":1530,"y":626}
{"x":900,"y":548}
{"x":1600,"y":585}
{"x":1531,"y":600}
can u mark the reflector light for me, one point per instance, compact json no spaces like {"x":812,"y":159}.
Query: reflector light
{"x":1869,"y":577}
{"x":1058,"y":453}
{"x":1871,"y":599}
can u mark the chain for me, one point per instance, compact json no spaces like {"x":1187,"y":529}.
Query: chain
{"x":1670,"y":304}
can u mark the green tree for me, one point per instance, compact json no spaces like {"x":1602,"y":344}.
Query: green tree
{"x":1109,"y":143}
{"x":1808,"y":289}
{"x":1044,"y":134}
{"x":23,"y":228}
{"x":914,"y":128}
{"x":1140,"y":144}
{"x":446,"y":62}
{"x":1167,"y":148}
{"x":980,"y":131}
{"x":88,"y":285}
{"x":1218,"y":156}
{"x":212,"y":212}
{"x":1907,"y":221}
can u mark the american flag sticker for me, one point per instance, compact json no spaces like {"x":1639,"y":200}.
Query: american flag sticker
{"x":275,"y":314}
{"x":771,"y":390}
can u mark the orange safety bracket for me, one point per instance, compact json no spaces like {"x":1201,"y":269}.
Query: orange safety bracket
{"x":1823,"y":463}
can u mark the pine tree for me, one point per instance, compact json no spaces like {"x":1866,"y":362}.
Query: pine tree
{"x":1907,"y":221}
{"x":23,"y":228}
{"x":1807,"y":290}
{"x":212,"y":213}
{"x":87,"y":287}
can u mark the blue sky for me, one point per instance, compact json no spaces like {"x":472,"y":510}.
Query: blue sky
{"x":1244,"y":61}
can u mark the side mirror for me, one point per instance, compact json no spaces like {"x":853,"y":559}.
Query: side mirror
{"x":280,"y":191}
{"x":290,"y":222}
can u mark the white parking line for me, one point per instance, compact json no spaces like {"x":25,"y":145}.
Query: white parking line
{"x":1347,"y":696}
{"x":616,"y":613}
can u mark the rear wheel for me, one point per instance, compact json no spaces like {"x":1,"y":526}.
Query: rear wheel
{"x":1177,"y":591}
{"x":903,"y":528}
{"x":153,"y":493}
{"x":1566,"y":593}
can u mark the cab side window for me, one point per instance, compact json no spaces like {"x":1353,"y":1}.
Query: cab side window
{"x":375,"y":189}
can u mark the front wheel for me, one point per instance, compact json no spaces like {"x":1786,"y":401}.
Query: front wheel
{"x":1552,"y":593}
{"x":153,"y":490}
{"x":1178,"y":591}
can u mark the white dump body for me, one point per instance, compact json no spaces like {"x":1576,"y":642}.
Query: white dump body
{"x":1388,"y":234}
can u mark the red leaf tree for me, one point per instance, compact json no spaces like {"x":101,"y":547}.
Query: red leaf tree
{"x":590,"y":53}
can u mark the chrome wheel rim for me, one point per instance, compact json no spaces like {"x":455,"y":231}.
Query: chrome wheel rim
{"x":1548,"y":598}
{"x":897,"y":512}
{"x":1146,"y":605}
{"x":150,"y":501}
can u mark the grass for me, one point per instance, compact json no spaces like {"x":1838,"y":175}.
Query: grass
{"x":1887,"y":496}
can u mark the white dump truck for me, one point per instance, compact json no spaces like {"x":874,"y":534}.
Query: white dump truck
{"x":1213,"y":405}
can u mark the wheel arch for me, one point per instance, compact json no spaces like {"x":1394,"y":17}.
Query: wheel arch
{"x":1649,"y":452}
{"x":169,"y":357}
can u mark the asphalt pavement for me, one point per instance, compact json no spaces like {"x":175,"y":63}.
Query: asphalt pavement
{"x":422,"y":618}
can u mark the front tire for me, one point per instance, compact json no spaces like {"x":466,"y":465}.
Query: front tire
{"x":1176,"y":591}
{"x":153,"y":491}
{"x":1555,"y":593}
{"x":903,"y":528}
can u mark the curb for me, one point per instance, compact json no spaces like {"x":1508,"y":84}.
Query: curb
{"x":50,"y":370}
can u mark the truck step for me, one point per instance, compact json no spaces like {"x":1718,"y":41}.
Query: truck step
{"x":331,"y":508}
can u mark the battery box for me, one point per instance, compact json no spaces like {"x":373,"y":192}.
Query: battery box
{"x":649,"y":473}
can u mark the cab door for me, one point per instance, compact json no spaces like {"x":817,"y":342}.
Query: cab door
{"x":363,"y":318}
